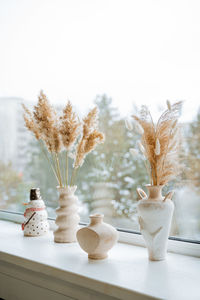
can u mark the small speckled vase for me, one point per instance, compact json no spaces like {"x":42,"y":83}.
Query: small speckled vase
{"x":67,"y":218}
{"x":155,"y":216}
{"x":98,"y":238}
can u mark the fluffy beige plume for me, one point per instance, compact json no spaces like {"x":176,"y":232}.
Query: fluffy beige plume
{"x":94,"y":138}
{"x":80,"y":154}
{"x":70,"y":127}
{"x":30,"y":123}
{"x":91,"y":137}
{"x":47,"y":122}
{"x":161,"y":143}
{"x":90,"y":122}
{"x":43,"y":123}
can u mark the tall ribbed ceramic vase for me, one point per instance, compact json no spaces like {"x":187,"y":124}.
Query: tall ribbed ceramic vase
{"x":67,"y":218}
{"x":155,"y":215}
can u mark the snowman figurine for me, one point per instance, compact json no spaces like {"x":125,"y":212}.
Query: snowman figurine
{"x":36,"y":223}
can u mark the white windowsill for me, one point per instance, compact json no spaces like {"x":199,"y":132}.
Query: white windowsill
{"x":126,"y":274}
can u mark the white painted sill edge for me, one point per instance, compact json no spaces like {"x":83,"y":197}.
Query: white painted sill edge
{"x":178,"y":247}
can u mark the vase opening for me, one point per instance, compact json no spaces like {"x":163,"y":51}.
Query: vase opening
{"x":67,"y":189}
{"x":96,"y":218}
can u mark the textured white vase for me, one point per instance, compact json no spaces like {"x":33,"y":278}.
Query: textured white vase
{"x":67,"y":218}
{"x":155,"y":215}
{"x":98,"y":238}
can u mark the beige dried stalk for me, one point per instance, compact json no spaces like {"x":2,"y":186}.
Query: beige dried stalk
{"x":69,"y":131}
{"x":30,"y":122}
{"x":91,"y":137}
{"x":47,"y":122}
{"x":90,"y":122}
{"x":69,"y":127}
{"x":161,"y":143}
{"x":43,"y":123}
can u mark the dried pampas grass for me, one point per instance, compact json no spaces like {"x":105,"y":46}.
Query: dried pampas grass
{"x":91,"y":137}
{"x":70,"y":127}
{"x":160,"y":143}
{"x":30,"y":122}
{"x":59,"y":134}
{"x":46,"y":122}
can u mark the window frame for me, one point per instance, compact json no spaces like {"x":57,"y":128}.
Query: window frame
{"x":175,"y":244}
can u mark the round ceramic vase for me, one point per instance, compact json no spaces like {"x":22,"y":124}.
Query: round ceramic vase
{"x":98,"y":238}
{"x":67,"y":218}
{"x":155,"y":215}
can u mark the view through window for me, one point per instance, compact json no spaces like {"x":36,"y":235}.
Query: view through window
{"x":113,"y":54}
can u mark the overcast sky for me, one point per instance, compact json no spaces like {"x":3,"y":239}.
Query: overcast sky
{"x":143,"y":51}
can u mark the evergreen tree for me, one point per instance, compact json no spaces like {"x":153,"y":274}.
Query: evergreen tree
{"x":101,"y":164}
{"x":12,"y":187}
{"x":193,"y":151}
{"x":112,"y":162}
{"x":132,"y":174}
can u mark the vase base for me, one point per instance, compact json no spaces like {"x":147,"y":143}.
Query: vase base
{"x":65,"y":236}
{"x":97,"y":256}
{"x":65,"y":240}
{"x":151,"y":258}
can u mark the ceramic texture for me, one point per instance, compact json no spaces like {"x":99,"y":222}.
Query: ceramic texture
{"x":67,"y":218}
{"x":155,"y":215}
{"x":38,"y":224}
{"x":98,"y":238}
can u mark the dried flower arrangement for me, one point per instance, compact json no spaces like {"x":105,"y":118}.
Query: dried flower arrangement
{"x":160,"y":143}
{"x":62,"y":134}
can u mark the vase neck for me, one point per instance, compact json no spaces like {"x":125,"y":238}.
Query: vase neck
{"x":69,"y":190}
{"x":96,"y":219}
{"x":155,"y":192}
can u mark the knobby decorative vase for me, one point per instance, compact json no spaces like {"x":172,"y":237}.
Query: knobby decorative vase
{"x":67,"y":218}
{"x":155,"y":216}
{"x":97,"y":238}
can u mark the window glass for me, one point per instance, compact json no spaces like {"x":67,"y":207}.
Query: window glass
{"x":114,"y":54}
